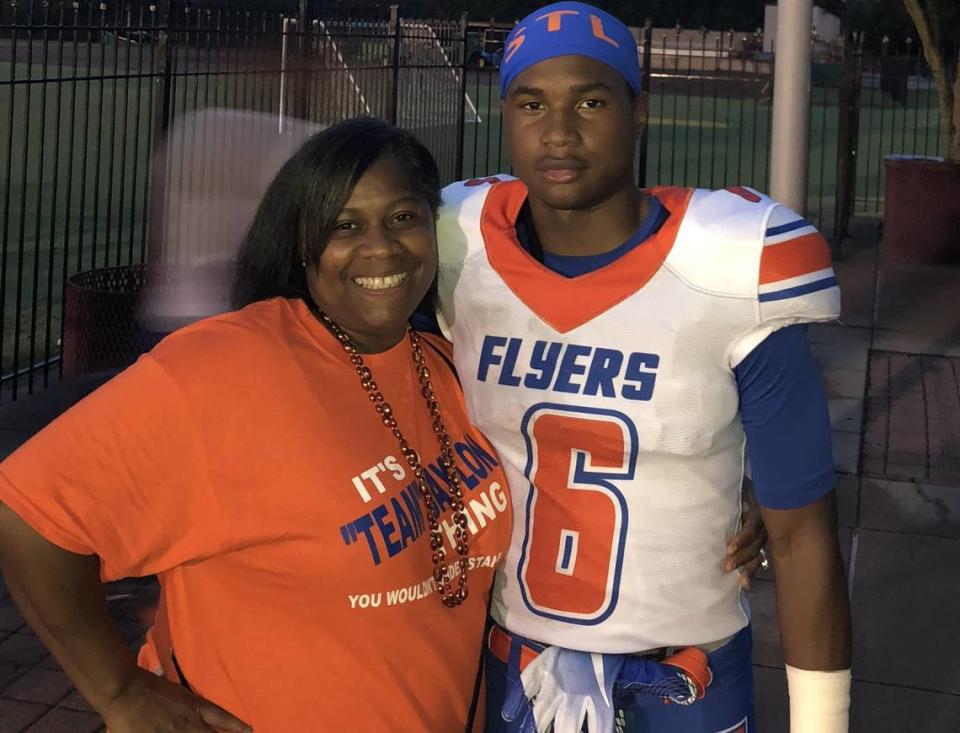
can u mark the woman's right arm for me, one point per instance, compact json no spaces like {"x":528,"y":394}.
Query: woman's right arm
{"x":113,"y":488}
{"x":60,"y":595}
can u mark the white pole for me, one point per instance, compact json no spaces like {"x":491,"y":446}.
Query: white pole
{"x":789,"y":142}
{"x":283,"y":72}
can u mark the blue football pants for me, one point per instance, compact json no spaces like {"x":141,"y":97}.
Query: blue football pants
{"x":726,"y":708}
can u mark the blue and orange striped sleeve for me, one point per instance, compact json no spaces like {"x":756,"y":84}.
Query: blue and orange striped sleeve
{"x":796,"y":278}
{"x":782,"y":402}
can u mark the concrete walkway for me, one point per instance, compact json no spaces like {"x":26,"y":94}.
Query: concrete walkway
{"x":896,"y":420}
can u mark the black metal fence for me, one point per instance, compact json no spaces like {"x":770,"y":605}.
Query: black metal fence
{"x":899,"y":114}
{"x":711,"y":104}
{"x":89,"y":91}
{"x":710,"y":96}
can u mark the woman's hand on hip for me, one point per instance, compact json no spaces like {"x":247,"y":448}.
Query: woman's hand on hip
{"x":152,"y":704}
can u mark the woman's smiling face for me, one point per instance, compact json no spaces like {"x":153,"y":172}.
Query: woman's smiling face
{"x":380,"y":260}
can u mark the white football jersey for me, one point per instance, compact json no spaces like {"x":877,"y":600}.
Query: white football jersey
{"x":612,"y":401}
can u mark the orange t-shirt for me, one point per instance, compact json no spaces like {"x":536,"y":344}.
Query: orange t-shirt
{"x":242,"y":462}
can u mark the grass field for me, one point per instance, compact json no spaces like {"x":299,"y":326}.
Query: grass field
{"x":75,"y":163}
{"x":715,"y":142}
{"x":74,"y":159}
{"x":70,"y":199}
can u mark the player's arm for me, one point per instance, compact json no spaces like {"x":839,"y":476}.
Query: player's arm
{"x":785,"y":417}
{"x":812,"y":608}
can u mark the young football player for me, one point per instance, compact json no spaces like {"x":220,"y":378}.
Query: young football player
{"x":625,"y":350}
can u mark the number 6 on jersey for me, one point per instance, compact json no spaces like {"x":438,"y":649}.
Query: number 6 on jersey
{"x":576,"y":520}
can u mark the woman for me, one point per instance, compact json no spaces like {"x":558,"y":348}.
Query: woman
{"x":265,"y":464}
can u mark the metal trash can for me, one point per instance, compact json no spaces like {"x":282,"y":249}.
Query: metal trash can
{"x":921,"y":211}
{"x":102,"y":329}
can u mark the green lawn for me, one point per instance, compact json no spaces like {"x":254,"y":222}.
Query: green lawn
{"x":75,"y":195}
{"x":77,"y":167}
{"x":77,"y":159}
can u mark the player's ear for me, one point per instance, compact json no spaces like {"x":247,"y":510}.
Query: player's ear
{"x":641,"y":111}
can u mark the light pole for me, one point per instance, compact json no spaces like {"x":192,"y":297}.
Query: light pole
{"x":789,"y":141}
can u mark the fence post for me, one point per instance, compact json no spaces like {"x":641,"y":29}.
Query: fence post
{"x":848,"y":132}
{"x":462,"y":110}
{"x":284,"y":57}
{"x":301,"y":100}
{"x":163,"y":95}
{"x":645,"y":75}
{"x":163,"y":82}
{"x":397,"y":38}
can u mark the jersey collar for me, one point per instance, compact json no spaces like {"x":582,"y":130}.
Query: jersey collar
{"x":567,"y":303}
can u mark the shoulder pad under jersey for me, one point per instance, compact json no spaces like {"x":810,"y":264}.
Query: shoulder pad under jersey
{"x":720,"y":241}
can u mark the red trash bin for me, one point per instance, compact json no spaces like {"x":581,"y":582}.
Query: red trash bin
{"x":921,"y":215}
{"x":102,"y":329}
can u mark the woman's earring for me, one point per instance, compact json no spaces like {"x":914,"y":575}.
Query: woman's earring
{"x":303,"y":264}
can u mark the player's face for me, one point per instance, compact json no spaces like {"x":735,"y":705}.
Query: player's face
{"x":380,"y":260}
{"x":571,"y":129}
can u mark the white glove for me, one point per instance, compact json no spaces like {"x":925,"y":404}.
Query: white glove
{"x":570,"y":688}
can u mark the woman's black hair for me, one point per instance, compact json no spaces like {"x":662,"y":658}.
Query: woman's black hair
{"x":300,"y":207}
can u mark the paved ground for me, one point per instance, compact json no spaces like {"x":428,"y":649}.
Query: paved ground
{"x":912,"y":428}
{"x":895,"y":407}
{"x":37,"y":696}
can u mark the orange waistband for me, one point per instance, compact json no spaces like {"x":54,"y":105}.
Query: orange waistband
{"x":691,"y":660}
{"x":498,"y":642}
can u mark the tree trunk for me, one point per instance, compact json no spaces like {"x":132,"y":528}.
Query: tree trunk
{"x":953,"y":153}
{"x":947,"y":88}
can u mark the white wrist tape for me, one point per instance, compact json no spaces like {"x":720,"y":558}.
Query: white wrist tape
{"x":819,"y":701}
